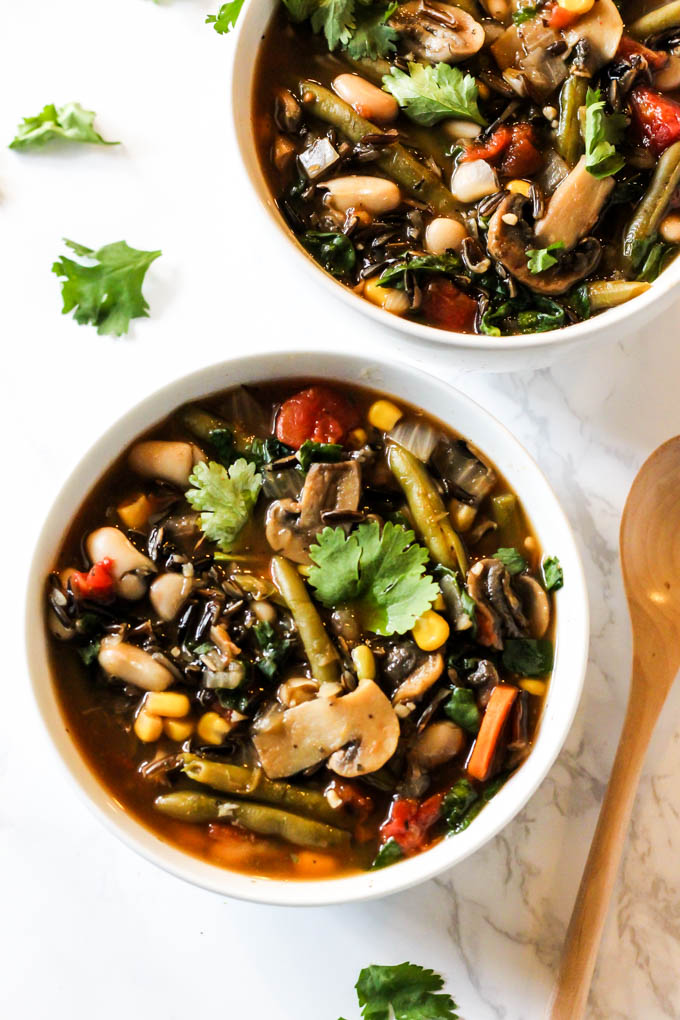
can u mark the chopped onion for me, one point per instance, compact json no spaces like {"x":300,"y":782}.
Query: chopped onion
{"x":242,"y":408}
{"x":226,"y":679}
{"x":463,"y":473}
{"x":416,"y":437}
{"x":474,"y":180}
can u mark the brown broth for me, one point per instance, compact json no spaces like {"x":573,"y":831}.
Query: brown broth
{"x":99,"y":718}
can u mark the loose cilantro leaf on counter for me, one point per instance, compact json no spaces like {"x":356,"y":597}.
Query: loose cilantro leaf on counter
{"x":68,"y":123}
{"x":512,"y":560}
{"x":373,"y":38}
{"x":603,"y":131}
{"x":553,"y":575}
{"x":107,"y":295}
{"x":540,"y":259}
{"x":226,"y":17}
{"x":528,"y":656}
{"x":430,"y":94}
{"x":406,"y":991}
{"x":383,"y":575}
{"x":227,"y":499}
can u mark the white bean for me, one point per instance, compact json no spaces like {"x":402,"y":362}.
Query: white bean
{"x":133,"y":665}
{"x":168,"y":593}
{"x":373,"y":194}
{"x":264,"y":611}
{"x":171,"y":461}
{"x":443,"y":234}
{"x":112,"y":543}
{"x":461,"y":128}
{"x":670,"y":228}
{"x":473,"y":180}
{"x":367,"y":99}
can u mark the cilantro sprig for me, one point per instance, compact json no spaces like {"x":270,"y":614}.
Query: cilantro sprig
{"x":67,"y":123}
{"x":360,"y":26}
{"x":540,"y":259}
{"x":405,"y":991}
{"x":225,"y":497}
{"x":603,"y":132}
{"x":430,"y":94}
{"x":108,"y":293}
{"x":383,"y":575}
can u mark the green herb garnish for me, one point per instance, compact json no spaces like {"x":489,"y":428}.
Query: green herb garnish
{"x":68,"y":123}
{"x":512,"y":560}
{"x":553,"y":575}
{"x":603,"y":132}
{"x":430,"y":94}
{"x":226,"y":497}
{"x":528,"y":656}
{"x":226,"y":17}
{"x":334,"y":252}
{"x":540,"y":259}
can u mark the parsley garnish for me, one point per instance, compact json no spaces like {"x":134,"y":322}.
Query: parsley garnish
{"x":226,"y":17}
{"x":406,"y":991}
{"x":430,"y":94}
{"x":107,"y":295}
{"x":603,"y":131}
{"x":528,"y":656}
{"x":383,"y":575}
{"x":512,"y":560}
{"x":553,"y":575}
{"x":227,"y":499}
{"x":68,"y":123}
{"x":540,"y":259}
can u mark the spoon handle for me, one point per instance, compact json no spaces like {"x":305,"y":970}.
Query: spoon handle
{"x":592,"y":903}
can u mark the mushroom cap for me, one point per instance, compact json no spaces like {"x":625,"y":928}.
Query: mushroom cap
{"x":437,"y":32}
{"x":420,"y":680}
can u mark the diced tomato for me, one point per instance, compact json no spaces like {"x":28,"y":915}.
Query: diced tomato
{"x":511,"y":147}
{"x":559,"y":18}
{"x":97,"y":584}
{"x":318,"y":413}
{"x":491,"y":148}
{"x":446,"y":306}
{"x":627,"y":47}
{"x":410,"y":821}
{"x":656,"y":118}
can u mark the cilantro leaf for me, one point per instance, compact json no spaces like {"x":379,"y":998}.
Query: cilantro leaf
{"x":603,"y":132}
{"x":553,"y":575}
{"x":69,"y":123}
{"x":373,"y":38}
{"x":512,"y":560}
{"x":300,"y":10}
{"x":528,"y":656}
{"x":336,"y":19}
{"x":335,"y":252}
{"x":109,"y":294}
{"x":389,"y":853}
{"x":430,"y":94}
{"x":226,"y":497}
{"x":382,"y":574}
{"x":226,"y":17}
{"x":413,"y":992}
{"x":540,"y":259}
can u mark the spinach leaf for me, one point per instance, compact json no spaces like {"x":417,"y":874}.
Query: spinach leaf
{"x":655,"y":261}
{"x":525,"y":313}
{"x":90,"y":651}
{"x":528,"y":656}
{"x":334,"y":252}
{"x":457,"y":802}
{"x":310,"y":452}
{"x":461,"y":708}
{"x":274,"y":650}
{"x":395,"y":275}
{"x":389,"y":853}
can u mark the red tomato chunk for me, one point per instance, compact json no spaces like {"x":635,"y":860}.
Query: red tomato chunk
{"x":511,"y":147}
{"x":446,"y":306}
{"x":656,"y":118}
{"x":318,"y":413}
{"x":98,"y":584}
{"x":410,"y":821}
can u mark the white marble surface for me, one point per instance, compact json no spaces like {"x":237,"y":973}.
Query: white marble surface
{"x":88,"y":929}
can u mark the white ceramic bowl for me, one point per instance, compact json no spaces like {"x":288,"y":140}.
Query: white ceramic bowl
{"x":553,"y":532}
{"x":494,"y":354}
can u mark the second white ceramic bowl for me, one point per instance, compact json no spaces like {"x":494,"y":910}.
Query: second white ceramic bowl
{"x":491,"y":354}
{"x":551,"y":528}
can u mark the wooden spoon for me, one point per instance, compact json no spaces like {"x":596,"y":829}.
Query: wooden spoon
{"x":650,"y":558}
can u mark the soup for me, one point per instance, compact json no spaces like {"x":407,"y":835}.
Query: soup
{"x":506,"y":168}
{"x":301,"y":630}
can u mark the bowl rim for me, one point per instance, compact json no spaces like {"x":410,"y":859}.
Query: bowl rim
{"x":629,"y":314}
{"x":350,"y":368}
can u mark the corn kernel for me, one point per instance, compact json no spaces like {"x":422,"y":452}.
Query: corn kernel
{"x":358,"y":437}
{"x":389,"y":298}
{"x":535,"y":687}
{"x":364,"y":662}
{"x":178,"y":730}
{"x":576,"y":6}
{"x":148,"y":727}
{"x":213,"y":728}
{"x":384,"y":415}
{"x":430,"y":631}
{"x":439,"y":603}
{"x":135,"y":514}
{"x":167,"y":704}
{"x":519,"y":187}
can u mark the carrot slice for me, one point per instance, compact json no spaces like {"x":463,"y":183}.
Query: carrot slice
{"x":501,"y":701}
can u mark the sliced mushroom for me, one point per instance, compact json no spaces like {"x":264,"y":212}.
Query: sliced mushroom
{"x":296,"y":690}
{"x":130,"y":567}
{"x":510,"y":237}
{"x":420,"y":680}
{"x":287,"y":111}
{"x":133,"y":665}
{"x":573,"y":209}
{"x":601,"y":29}
{"x":438,"y":743}
{"x":291,"y":526}
{"x":499,"y":610}
{"x":437,"y":32}
{"x":357,"y":732}
{"x":484,"y":678}
{"x":535,"y":603}
{"x":171,"y":461}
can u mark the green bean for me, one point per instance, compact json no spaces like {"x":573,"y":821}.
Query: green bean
{"x":652,"y":208}
{"x":568,"y":140}
{"x":247,"y":782}
{"x":656,"y":21}
{"x":198,"y":808}
{"x":609,"y":293}
{"x":504,"y":513}
{"x":321,"y":652}
{"x":397,"y":162}
{"x":427,"y":509}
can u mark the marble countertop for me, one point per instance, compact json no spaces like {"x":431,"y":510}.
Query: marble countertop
{"x":87,"y":927}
